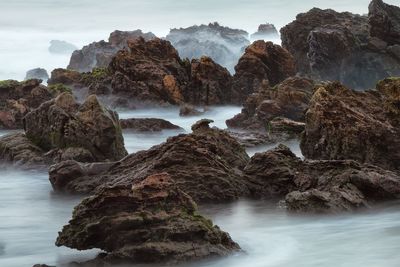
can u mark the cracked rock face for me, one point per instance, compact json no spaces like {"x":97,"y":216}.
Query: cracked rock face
{"x":152,"y":221}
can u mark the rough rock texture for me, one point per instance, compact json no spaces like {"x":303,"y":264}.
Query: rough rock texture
{"x":265,"y":31}
{"x":148,"y":125}
{"x":385,"y":22}
{"x":206,"y":164}
{"x":222,"y":44}
{"x":18,"y":98}
{"x":38,"y":73}
{"x":99,"y":54}
{"x":345,"y":47}
{"x":262,"y":63}
{"x":62,"y":123}
{"x":152,"y":221}
{"x":364,"y":126}
{"x":321,"y":186}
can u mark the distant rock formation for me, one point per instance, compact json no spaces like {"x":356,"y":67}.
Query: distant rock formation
{"x":61,"y":47}
{"x":224,"y":45}
{"x":38,"y":73}
{"x":99,"y":54}
{"x":356,"y":50}
{"x":265,"y":31}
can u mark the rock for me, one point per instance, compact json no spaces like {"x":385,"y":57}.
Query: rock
{"x":262,"y":63}
{"x":278,"y":111}
{"x":148,"y":125}
{"x":321,"y":186}
{"x":206,"y":164}
{"x":153,"y":221}
{"x":87,"y":131}
{"x":42,"y":265}
{"x":332,"y":46}
{"x":66,"y":77}
{"x":385,"y":21}
{"x":222,"y":44}
{"x":38,"y":73}
{"x":265,"y":31}
{"x":187,"y":110}
{"x":18,"y":98}
{"x":99,"y":54}
{"x":61,"y":47}
{"x":210,"y":84}
{"x":363,"y":126}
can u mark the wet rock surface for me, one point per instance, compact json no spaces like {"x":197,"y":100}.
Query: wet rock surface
{"x":352,"y":49}
{"x":147,"y":125}
{"x":363,"y":126}
{"x":222,"y":44}
{"x":99,"y":54}
{"x":151,"y":221}
{"x":262,"y":63}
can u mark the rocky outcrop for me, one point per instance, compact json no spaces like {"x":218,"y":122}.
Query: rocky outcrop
{"x":363,"y":126}
{"x":222,"y":44}
{"x":206,"y":164}
{"x":38,"y":73}
{"x":262,"y":63}
{"x":61,"y":129}
{"x":320,"y":186}
{"x":147,"y":125}
{"x":352,"y":49}
{"x":275,"y":113}
{"x":99,"y":54}
{"x":18,"y":98}
{"x":152,"y":221}
{"x":61,"y":47}
{"x":265,"y":31}
{"x":187,"y":110}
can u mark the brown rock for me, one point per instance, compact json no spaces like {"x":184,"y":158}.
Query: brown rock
{"x":148,"y":125}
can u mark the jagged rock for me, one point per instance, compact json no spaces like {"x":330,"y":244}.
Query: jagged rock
{"x":385,"y":21}
{"x":152,"y":221}
{"x":328,"y":45}
{"x":18,"y":98}
{"x":321,"y":186}
{"x":61,"y":47}
{"x":345,"y":124}
{"x":188,"y":110}
{"x":210,"y":84}
{"x":148,"y":125}
{"x":38,"y":73}
{"x":99,"y":54}
{"x":66,"y":77}
{"x":262,"y":63}
{"x":72,"y":131}
{"x":222,"y":44}
{"x":265,"y":31}
{"x":206,"y":164}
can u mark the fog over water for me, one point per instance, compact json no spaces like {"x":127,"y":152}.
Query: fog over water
{"x":27,"y":26}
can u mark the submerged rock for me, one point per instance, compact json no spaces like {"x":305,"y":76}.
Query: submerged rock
{"x":262,"y":63}
{"x":148,"y":125}
{"x":352,"y":49}
{"x":187,"y":110}
{"x":363,"y":126}
{"x":38,"y":73}
{"x":222,"y":44}
{"x":321,"y":186}
{"x":99,"y":54}
{"x":152,"y":221}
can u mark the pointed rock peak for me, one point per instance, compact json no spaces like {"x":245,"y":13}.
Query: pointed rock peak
{"x":202,"y":124}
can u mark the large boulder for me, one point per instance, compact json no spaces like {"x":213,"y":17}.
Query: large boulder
{"x":18,"y":98}
{"x":328,"y":45}
{"x":153,"y":221}
{"x":37,"y":73}
{"x":346,"y":124}
{"x":64,"y":127}
{"x":263,"y":62}
{"x":321,"y":186}
{"x":99,"y":54}
{"x":222,"y":44}
{"x":265,"y":31}
{"x":206,"y":164}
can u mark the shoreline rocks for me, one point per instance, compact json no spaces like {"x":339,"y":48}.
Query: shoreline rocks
{"x":147,"y":125}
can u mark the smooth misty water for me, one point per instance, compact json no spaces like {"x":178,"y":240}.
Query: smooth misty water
{"x":31,"y":214}
{"x":27,"y":26}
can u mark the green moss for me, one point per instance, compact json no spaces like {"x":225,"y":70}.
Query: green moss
{"x":268,"y":127}
{"x":58,"y":88}
{"x":97,"y":74}
{"x":8,"y":83}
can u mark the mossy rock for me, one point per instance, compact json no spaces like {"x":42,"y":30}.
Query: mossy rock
{"x":58,"y":88}
{"x":6,"y":84}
